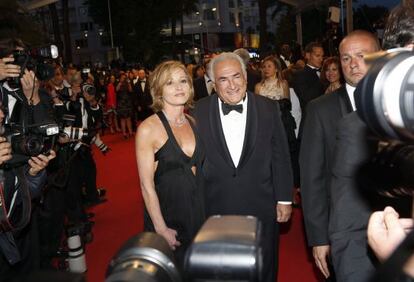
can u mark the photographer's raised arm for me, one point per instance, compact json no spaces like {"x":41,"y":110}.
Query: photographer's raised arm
{"x":30,"y":87}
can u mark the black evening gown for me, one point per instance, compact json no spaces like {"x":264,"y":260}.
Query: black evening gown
{"x":179,"y":190}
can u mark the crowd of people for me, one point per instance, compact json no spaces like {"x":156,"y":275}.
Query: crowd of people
{"x":230,"y":136}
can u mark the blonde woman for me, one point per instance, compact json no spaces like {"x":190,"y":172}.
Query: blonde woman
{"x":169,"y":156}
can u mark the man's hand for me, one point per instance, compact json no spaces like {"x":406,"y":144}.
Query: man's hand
{"x":386,"y":230}
{"x":39,"y":162}
{"x":5,"y":150}
{"x":321,"y":255}
{"x":7,"y":69}
{"x":283,"y":212}
{"x":30,"y":87}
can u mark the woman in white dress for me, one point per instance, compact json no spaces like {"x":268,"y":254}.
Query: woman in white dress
{"x":272,"y":85}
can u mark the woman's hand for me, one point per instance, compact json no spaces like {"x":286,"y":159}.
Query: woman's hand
{"x":170,"y":235}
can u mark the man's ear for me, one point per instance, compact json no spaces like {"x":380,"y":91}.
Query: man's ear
{"x":307,"y":56}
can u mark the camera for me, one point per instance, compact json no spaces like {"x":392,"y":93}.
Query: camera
{"x":226,"y":248}
{"x":66,"y":128}
{"x":85,"y":73}
{"x":384,"y":100}
{"x":35,"y":59}
{"x":29,"y":141}
{"x":385,"y":96}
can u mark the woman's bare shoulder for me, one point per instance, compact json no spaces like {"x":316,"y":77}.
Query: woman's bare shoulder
{"x":150,"y":127}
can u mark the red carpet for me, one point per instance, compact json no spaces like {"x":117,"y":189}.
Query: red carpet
{"x":120,"y":218}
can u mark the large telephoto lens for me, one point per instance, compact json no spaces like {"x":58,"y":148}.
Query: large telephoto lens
{"x":146,"y":257}
{"x":385,"y":96}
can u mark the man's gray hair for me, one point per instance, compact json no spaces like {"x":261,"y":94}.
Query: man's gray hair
{"x":226,"y":56}
{"x":244,"y":54}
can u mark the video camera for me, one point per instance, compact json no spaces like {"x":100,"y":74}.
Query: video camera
{"x":385,"y":102}
{"x":35,"y":59}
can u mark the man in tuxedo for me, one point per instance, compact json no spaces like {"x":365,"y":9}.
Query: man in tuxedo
{"x":306,"y":82}
{"x":285,"y":56}
{"x":203,"y":86}
{"x":318,"y":143}
{"x":247,"y":166}
{"x":144,"y":99}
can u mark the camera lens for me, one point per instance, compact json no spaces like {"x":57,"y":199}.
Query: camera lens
{"x":29,"y":146}
{"x":146,"y":258}
{"x":385,"y":96}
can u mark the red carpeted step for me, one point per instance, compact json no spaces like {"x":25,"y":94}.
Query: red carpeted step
{"x":121,"y":217}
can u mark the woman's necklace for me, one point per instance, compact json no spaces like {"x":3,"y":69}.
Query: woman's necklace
{"x":175,"y":123}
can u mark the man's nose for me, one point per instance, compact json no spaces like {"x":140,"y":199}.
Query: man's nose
{"x":353,"y":63}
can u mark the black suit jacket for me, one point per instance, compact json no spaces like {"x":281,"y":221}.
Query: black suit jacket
{"x":263,"y":175}
{"x":351,"y":203}
{"x":142,"y":98}
{"x":307,"y":86}
{"x":200,"y":88}
{"x":316,"y":153}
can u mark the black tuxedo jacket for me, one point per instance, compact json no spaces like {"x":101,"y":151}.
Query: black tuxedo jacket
{"x":200,"y":88}
{"x":316,"y":153}
{"x":307,"y":86}
{"x":143,"y":98}
{"x":263,"y":175}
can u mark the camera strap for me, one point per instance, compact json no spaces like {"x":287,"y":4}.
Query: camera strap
{"x":23,"y":188}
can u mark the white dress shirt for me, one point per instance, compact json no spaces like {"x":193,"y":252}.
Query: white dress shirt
{"x":234,"y":129}
{"x":350,"y":91}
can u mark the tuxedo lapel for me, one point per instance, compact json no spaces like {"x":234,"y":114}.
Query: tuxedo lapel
{"x":217,"y":131}
{"x":251,"y":130}
{"x":344,"y":102}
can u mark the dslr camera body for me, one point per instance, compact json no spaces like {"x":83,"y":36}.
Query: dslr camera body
{"x":36,"y":60}
{"x":29,"y":141}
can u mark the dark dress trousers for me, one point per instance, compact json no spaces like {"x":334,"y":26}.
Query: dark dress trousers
{"x":307,"y":86}
{"x":316,"y":153}
{"x":263,"y":176}
{"x":351,"y":204}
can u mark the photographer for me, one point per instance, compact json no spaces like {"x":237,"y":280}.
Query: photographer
{"x":388,"y":234}
{"x":24,"y":176}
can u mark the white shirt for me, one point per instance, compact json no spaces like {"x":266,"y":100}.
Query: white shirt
{"x":350,"y":91}
{"x":234,"y":129}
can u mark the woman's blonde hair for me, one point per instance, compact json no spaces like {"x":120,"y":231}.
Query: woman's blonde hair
{"x":160,"y":76}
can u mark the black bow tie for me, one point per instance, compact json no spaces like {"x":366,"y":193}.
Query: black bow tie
{"x":226,"y":108}
{"x":142,"y":81}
